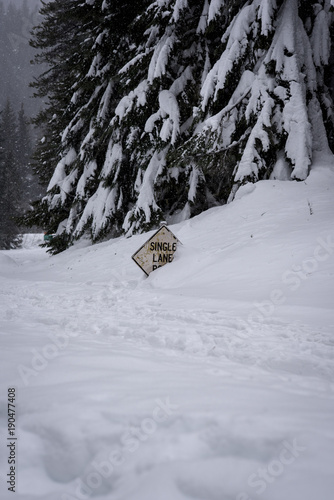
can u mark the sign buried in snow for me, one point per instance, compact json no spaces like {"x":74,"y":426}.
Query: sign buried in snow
{"x":156,"y":251}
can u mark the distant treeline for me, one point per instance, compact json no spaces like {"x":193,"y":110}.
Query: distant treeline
{"x":17,"y":18}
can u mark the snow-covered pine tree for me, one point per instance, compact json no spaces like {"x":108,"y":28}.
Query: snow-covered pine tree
{"x":137,"y":189}
{"x":139,"y":113}
{"x":10,"y":180}
{"x":84,"y":44}
{"x":181,"y":107}
{"x":64,"y":41}
{"x":113,"y":43}
{"x":264,"y":102}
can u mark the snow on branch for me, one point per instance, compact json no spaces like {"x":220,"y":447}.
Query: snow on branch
{"x":203,"y":22}
{"x":251,"y":161}
{"x":160,"y":56}
{"x":266,"y":13}
{"x":236,"y":47}
{"x":169,"y":106}
{"x":146,"y":207}
{"x":214,"y":9}
{"x":59,"y":174}
{"x":178,"y":7}
{"x":89,"y":171}
{"x":320,"y":39}
{"x":298,"y":145}
{"x":126,"y":103}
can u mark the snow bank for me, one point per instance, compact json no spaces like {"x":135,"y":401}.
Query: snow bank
{"x":200,"y":381}
{"x":6,"y":262}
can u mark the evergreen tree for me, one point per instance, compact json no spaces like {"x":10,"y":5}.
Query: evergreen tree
{"x":31,"y":190}
{"x":24,"y":146}
{"x":264,"y":99}
{"x":166,"y":113}
{"x":63,"y":39}
{"x":10,"y":181}
{"x":85,"y":45}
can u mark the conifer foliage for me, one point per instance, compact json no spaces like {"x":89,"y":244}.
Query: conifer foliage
{"x":159,"y":110}
{"x":10,"y":180}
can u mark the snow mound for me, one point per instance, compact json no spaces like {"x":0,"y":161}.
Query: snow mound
{"x":244,"y":190}
{"x":6,"y":262}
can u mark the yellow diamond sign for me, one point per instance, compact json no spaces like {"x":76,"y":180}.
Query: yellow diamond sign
{"x":156,"y":251}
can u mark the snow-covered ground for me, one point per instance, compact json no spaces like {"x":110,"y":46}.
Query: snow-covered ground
{"x":210,"y":380}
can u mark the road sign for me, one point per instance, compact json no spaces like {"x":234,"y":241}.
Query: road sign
{"x":156,"y":251}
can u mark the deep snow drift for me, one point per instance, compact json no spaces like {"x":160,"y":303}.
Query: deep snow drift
{"x":212,"y":379}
